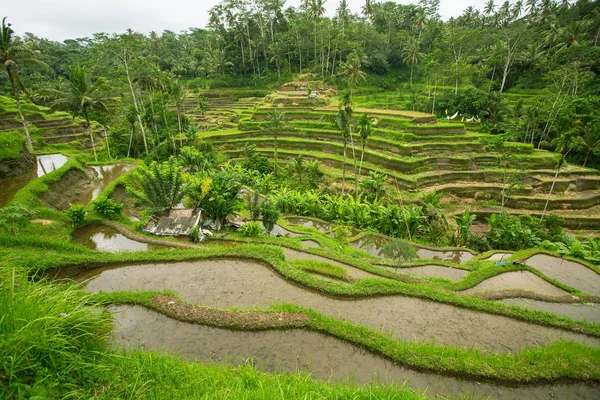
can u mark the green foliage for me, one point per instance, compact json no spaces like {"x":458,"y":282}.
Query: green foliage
{"x":258,"y":162}
{"x":12,"y":143}
{"x":13,"y":218}
{"x":160,"y":185}
{"x":195,"y":236}
{"x":108,"y":208}
{"x":77,"y":213}
{"x":223,"y":198}
{"x":508,"y":233}
{"x":270,"y":214}
{"x":251,"y":229}
{"x":463,"y":225}
{"x":373,"y":185}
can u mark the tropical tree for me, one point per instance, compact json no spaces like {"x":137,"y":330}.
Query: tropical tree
{"x":223,"y":198}
{"x":342,"y":123}
{"x":412,"y":55}
{"x":275,"y":123}
{"x":351,"y":71}
{"x":80,"y":95}
{"x":589,"y":140}
{"x":12,"y":55}
{"x":363,"y":128}
{"x":159,"y":185}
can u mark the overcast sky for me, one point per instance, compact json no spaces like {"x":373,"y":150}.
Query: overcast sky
{"x":64,"y":19}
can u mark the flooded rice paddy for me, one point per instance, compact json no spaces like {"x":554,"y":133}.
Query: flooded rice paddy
{"x":567,"y":272}
{"x":45,"y":164}
{"x":523,"y":280}
{"x":322,"y":356}
{"x":375,"y":245}
{"x":105,"y":238}
{"x":235,"y":283}
{"x":577,"y":311}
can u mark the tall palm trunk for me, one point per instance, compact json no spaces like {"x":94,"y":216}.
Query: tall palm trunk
{"x":135,"y":104}
{"x":275,"y":155}
{"x":362,"y":154}
{"x":344,"y":168}
{"x":560,"y":162}
{"x":23,"y":122}
{"x":89,"y":127}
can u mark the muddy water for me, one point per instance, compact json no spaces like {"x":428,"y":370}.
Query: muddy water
{"x":104,"y":238}
{"x":235,"y":283}
{"x":310,"y":243}
{"x":310,"y":223}
{"x":523,"y":280}
{"x":279,"y":230}
{"x":49,"y":163}
{"x":567,"y":272}
{"x":299,"y":350}
{"x":375,"y":245}
{"x":454,"y":274}
{"x":498,"y":256}
{"x":106,"y":174}
{"x":45,"y":164}
{"x":587,"y":312}
{"x":353,"y":272}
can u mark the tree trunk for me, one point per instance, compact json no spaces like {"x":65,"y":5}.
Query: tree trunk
{"x":89,"y":126}
{"x":344,"y":168}
{"x":23,"y":122}
{"x":135,"y":104}
{"x":551,"y":189}
{"x":362,"y":154}
{"x":275,"y":155}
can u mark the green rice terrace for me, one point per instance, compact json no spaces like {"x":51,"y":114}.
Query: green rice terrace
{"x":299,"y":232}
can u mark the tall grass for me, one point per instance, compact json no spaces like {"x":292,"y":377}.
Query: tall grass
{"x":50,"y":338}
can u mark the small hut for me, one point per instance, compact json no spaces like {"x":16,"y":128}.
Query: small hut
{"x":176,"y":222}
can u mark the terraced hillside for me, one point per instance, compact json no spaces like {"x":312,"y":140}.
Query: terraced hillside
{"x":48,"y":130}
{"x":416,"y":152}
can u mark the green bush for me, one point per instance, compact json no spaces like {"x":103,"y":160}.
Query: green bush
{"x":251,"y":229}
{"x":77,"y":214}
{"x":108,"y":208}
{"x":270,"y":214}
{"x":195,"y":236}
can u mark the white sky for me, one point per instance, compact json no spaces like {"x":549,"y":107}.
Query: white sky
{"x":64,"y":19}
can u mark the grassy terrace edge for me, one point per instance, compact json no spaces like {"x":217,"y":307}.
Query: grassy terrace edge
{"x":557,"y":361}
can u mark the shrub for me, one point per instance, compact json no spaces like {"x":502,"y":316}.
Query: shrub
{"x":77,"y":214}
{"x":270,"y":214}
{"x":251,"y":229}
{"x":195,"y":236}
{"x":108,"y":208}
{"x":13,"y":218}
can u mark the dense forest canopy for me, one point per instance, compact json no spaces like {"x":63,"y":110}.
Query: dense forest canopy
{"x":464,"y":64}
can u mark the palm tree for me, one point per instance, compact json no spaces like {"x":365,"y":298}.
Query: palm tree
{"x":13,"y":54}
{"x":342,"y":122}
{"x":412,"y":54}
{"x":364,"y":129}
{"x":589,"y":140}
{"x":80,"y":95}
{"x":352,"y":71}
{"x":178,"y":96}
{"x":275,"y":123}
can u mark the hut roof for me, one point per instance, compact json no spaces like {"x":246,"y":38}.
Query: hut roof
{"x":178,"y":222}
